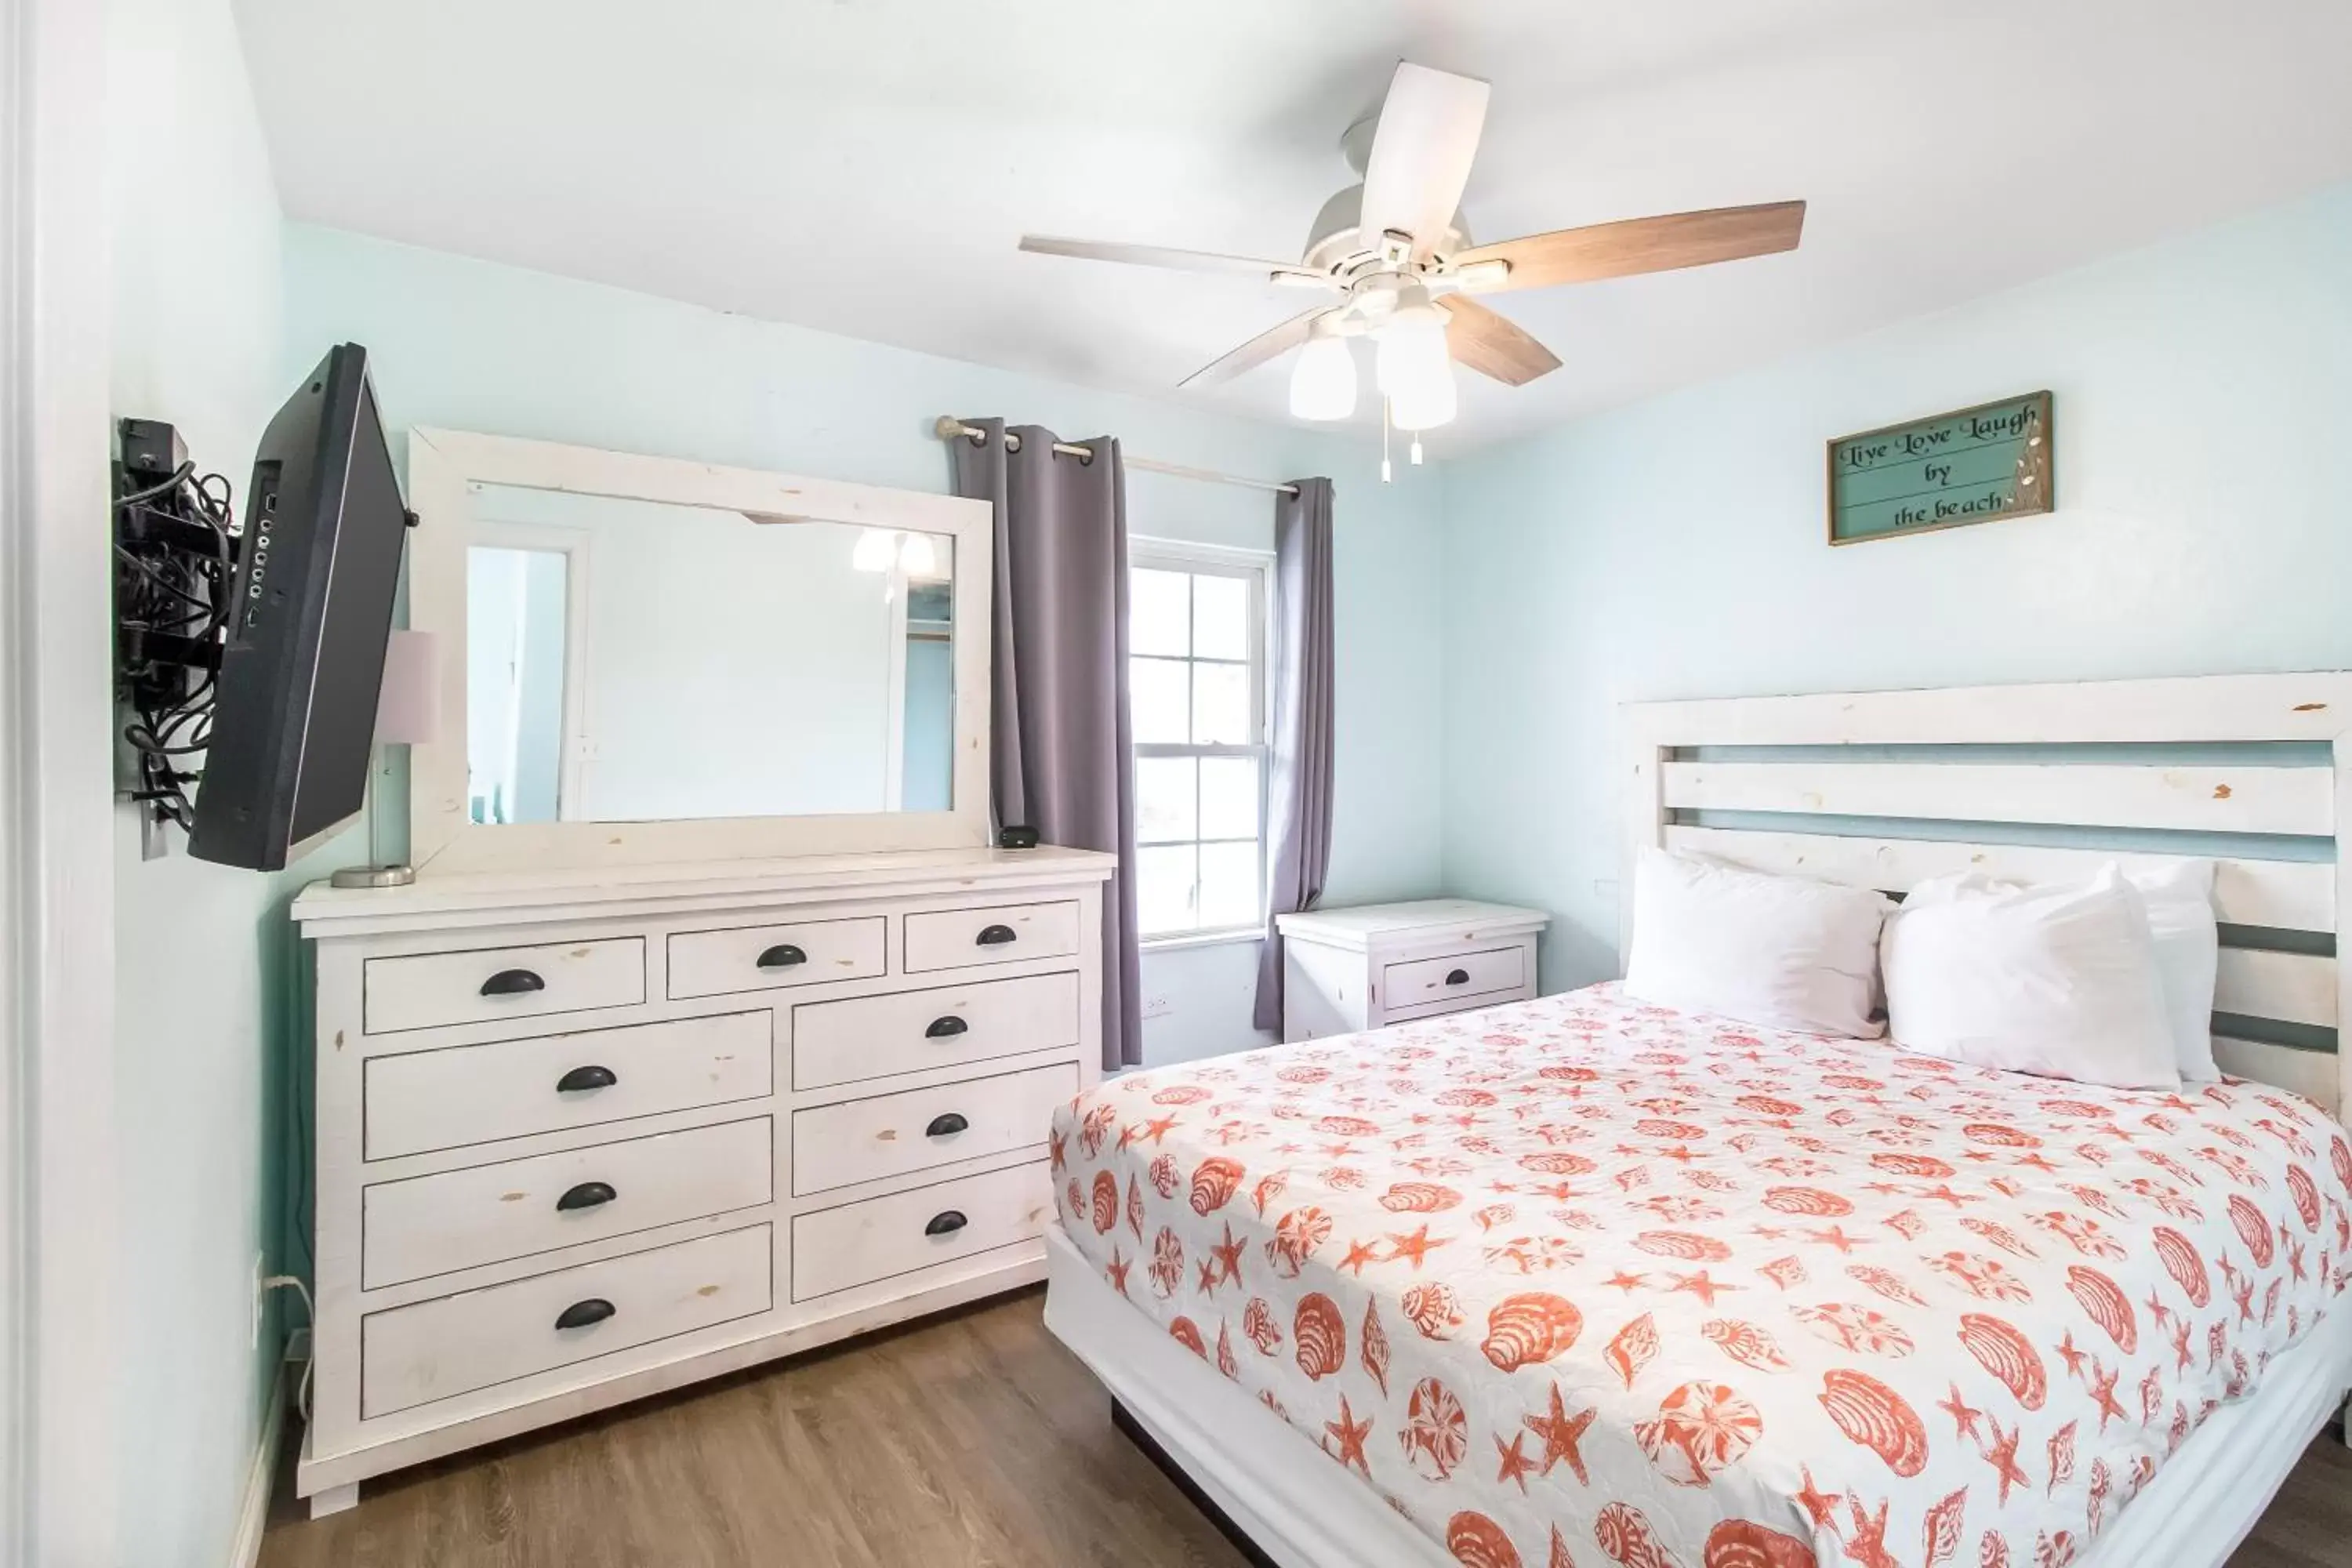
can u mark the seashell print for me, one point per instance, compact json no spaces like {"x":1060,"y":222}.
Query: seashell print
{"x":2106,"y":1304}
{"x":1635,"y":1346}
{"x":1765,"y":1105}
{"x":1135,"y":1207}
{"x":1854,"y":1081}
{"x":1464,"y":1098}
{"x":1297,"y":1234}
{"x":1372,"y":1346}
{"x":1877,"y":1419}
{"x":1999,"y":1135}
{"x":1856,"y":1328}
{"x":1999,"y":1234}
{"x":1165,"y":1175}
{"x":2253,"y":1229}
{"x":1943,"y":1528}
{"x":1214,"y":1182}
{"x":1810,"y":1201}
{"x":1180,"y":1094}
{"x":1559,"y":1165}
{"x":1419,"y":1197}
{"x":2305,"y":1192}
{"x":1985,"y":1279}
{"x":1886,"y":1282}
{"x":1677,"y":1131}
{"x":1074,"y":1201}
{"x":1529,"y":1328}
{"x":1477,"y":1542}
{"x":1701,"y":1428}
{"x":2184,"y":1263}
{"x":2339,"y":1154}
{"x":1302,"y":1073}
{"x":1258,"y":1325}
{"x":1319,"y":1338}
{"x":1737,"y":1543}
{"x":1437,"y":1433}
{"x":1626,"y":1539}
{"x":2082,"y":1108}
{"x":1558,"y":1557}
{"x":1096,"y":1127}
{"x":1167,"y":1261}
{"x":1343,"y":1179}
{"x":1186,"y":1332}
{"x":1993,"y":1551}
{"x":1268,"y":1188}
{"x":1586,"y":1075}
{"x":1784,"y":1272}
{"x":1433,"y":1309}
{"x":1686,"y":1244}
{"x":1925,"y":1165}
{"x":1226,"y":1362}
{"x":1745,"y":1343}
{"x":1348,"y":1127}
{"x":2009,"y":1355}
{"x":1105,"y":1202}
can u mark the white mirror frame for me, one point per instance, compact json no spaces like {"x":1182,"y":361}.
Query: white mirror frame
{"x":444,"y":466}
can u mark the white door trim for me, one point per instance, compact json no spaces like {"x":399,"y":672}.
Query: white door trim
{"x":58,"y":1481}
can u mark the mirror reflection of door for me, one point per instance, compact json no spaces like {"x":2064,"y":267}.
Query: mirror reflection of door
{"x":517,"y":641}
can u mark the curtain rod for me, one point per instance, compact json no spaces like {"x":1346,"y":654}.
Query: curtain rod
{"x":949,"y":427}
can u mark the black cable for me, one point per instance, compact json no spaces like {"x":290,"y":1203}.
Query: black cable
{"x":165,"y":590}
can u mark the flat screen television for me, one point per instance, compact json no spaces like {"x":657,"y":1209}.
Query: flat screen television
{"x":316,"y":569}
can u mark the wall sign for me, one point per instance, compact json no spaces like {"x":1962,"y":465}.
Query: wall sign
{"x":1991,"y":461}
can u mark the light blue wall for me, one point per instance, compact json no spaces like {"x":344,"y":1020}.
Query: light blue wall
{"x":475,"y":346}
{"x":1674,"y":548}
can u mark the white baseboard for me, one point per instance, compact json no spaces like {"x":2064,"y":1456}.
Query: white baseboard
{"x":253,"y":1515}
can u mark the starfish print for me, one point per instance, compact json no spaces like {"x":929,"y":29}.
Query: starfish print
{"x":2103,"y":1394}
{"x":1340,"y":1151}
{"x":1228,"y":1257}
{"x":1678,"y":1153}
{"x":1963,"y":1418}
{"x":1159,"y":1128}
{"x":1769,"y":1232}
{"x":1560,"y":1433}
{"x":1516,"y":1462}
{"x":1836,"y":1236}
{"x":1821,"y":1505}
{"x":1867,"y":1546}
{"x":1700,"y":1286}
{"x":2157,"y":1309}
{"x":2070,"y":1356}
{"x":1944,"y":1191}
{"x":1360,"y":1253}
{"x":1059,"y":1149}
{"x":1629,"y":1283}
{"x":1349,"y":1434}
{"x":1414,"y":1248}
{"x":2002,"y":1457}
{"x":2181,"y":1332}
{"x":2295,"y":1260}
{"x":2244,"y":1294}
{"x":1210,"y":1278}
{"x":1117,"y":1272}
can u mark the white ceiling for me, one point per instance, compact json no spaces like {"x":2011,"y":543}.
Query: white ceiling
{"x":865,"y":167}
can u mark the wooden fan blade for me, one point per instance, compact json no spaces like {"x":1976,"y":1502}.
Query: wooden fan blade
{"x":1177,"y":260}
{"x":1422,"y":151}
{"x":1255,"y":353}
{"x":1642,"y":245}
{"x":1493,"y":345}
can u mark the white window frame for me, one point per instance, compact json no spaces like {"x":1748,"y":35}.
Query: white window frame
{"x":1257,"y":568}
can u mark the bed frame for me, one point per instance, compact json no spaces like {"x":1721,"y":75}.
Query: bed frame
{"x":1881,"y":789}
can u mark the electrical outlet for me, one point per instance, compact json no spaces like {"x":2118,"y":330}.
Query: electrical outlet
{"x":261,"y":1296}
{"x":1157,"y":1006}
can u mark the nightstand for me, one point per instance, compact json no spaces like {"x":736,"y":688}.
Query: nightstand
{"x":1347,"y":969}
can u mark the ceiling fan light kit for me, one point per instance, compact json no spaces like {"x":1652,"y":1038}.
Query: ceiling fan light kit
{"x":1397,"y":252}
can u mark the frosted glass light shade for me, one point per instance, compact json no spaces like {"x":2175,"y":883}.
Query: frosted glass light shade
{"x":1427,"y":405}
{"x":876,"y":549}
{"x":1323,"y":381}
{"x":917,"y":557}
{"x":1414,"y":370}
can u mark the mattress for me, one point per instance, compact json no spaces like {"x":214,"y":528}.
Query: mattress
{"x":1582,"y":1275}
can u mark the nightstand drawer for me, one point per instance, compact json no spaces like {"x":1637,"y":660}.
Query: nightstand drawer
{"x":434,"y":1350}
{"x":1006,"y":934}
{"x":433,"y":989}
{"x":765,"y":958}
{"x":488,"y":1213}
{"x":910,"y":1031}
{"x":893,"y":1134}
{"x":857,"y":1243}
{"x":1428,"y":980}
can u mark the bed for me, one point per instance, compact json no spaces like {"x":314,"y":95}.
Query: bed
{"x":1580,"y":1279}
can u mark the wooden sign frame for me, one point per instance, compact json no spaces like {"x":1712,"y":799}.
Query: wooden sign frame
{"x":2035,"y":489}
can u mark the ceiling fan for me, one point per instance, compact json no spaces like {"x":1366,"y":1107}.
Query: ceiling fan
{"x":1397,"y":251}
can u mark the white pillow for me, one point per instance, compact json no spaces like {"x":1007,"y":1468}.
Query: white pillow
{"x":1785,"y":952}
{"x":2179,"y":901}
{"x":2060,"y":981}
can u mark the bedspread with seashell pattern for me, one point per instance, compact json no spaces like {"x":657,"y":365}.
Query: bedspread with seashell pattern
{"x":1581,"y":1278}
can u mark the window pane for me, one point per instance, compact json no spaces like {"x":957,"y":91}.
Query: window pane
{"x":1158,"y":693}
{"x":1221,"y":705}
{"x":1164,"y":799}
{"x":1221,"y":618}
{"x":1229,"y":894}
{"x":1163,"y":890}
{"x":1229,"y":797}
{"x":1158,"y":606}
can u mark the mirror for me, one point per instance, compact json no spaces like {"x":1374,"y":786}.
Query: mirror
{"x":635,"y":660}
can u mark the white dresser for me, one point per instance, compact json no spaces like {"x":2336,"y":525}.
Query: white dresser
{"x":1347,"y":969}
{"x":585,"y":1135}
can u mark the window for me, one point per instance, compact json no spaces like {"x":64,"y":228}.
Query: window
{"x":1197,"y":692}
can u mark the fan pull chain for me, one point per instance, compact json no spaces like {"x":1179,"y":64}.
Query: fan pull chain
{"x":1388,"y":473}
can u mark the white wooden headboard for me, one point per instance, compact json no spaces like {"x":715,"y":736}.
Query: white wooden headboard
{"x":1882,"y":788}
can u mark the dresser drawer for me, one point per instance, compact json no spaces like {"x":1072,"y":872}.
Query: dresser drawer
{"x":433,"y":989}
{"x":954,"y":938}
{"x":857,"y":1243}
{"x":461,"y":1095}
{"x":764,"y":958}
{"x":893,"y":1134}
{"x":486,"y":1214}
{"x":434,"y":1350}
{"x":875,"y":1036}
{"x":1427,"y":980}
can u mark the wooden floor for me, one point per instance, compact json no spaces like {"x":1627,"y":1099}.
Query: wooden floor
{"x":973,"y":1438}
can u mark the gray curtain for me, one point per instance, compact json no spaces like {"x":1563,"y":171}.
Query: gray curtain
{"x":1060,"y":750}
{"x":1299,"y":792}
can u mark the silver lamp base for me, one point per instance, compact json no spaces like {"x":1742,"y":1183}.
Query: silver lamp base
{"x":375,"y":876}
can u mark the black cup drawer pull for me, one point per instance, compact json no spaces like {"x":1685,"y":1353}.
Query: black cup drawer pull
{"x":946,"y":1126}
{"x":942,"y":1027}
{"x":994,"y":936}
{"x":512,"y":983}
{"x":1458,"y":977}
{"x":582,"y":1315}
{"x":587,"y":1195}
{"x":783,"y":955}
{"x":583,"y":1079}
{"x":946,"y":1223}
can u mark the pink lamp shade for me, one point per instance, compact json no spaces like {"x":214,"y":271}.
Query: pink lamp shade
{"x":408,"y":704}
